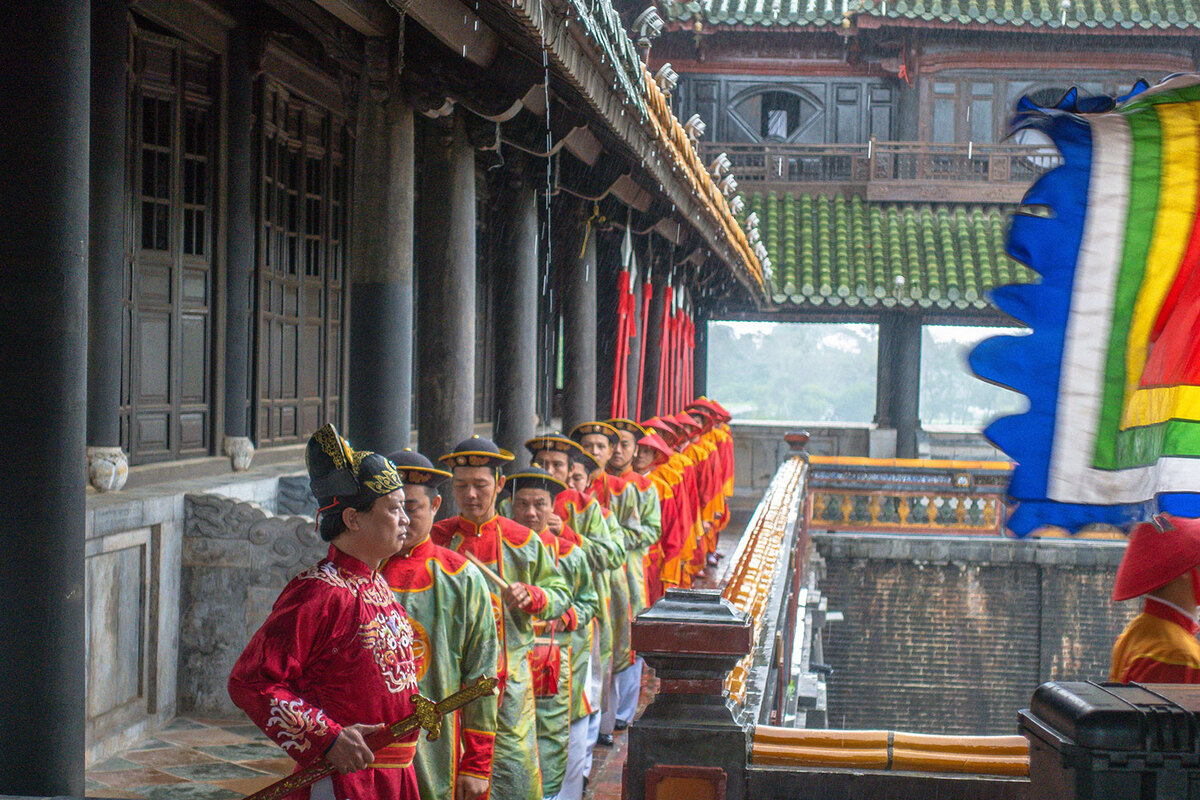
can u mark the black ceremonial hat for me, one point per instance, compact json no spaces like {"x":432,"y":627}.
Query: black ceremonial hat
{"x":550,"y":441}
{"x":535,"y":478}
{"x":581,"y":456}
{"x":602,"y":428}
{"x":476,"y":452}
{"x":416,"y":469}
{"x":341,"y":477}
{"x":623,"y":424}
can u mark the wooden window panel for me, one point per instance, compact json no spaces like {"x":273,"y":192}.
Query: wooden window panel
{"x":304,"y":182}
{"x":167,"y":330}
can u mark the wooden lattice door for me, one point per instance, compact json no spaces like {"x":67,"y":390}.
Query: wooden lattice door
{"x":301,"y":253}
{"x":168,"y":326}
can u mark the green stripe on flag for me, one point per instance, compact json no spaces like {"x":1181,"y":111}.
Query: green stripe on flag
{"x":1145,"y":174}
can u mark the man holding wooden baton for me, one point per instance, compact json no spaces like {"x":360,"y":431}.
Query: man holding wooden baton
{"x":525,"y":585}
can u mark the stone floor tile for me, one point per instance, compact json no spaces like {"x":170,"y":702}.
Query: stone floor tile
{"x":247,"y":730}
{"x":250,"y":751}
{"x":192,"y":791}
{"x":115,"y":794}
{"x":278,"y":766}
{"x":221,"y":722}
{"x":216,"y":771}
{"x":149,"y":744}
{"x":245,"y":786}
{"x":202,"y":736}
{"x":133,"y":778}
{"x":114,"y":764}
{"x":183,"y":724}
{"x":171,"y":757}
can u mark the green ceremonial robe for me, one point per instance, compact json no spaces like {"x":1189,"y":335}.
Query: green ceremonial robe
{"x":622,"y":500}
{"x":641,"y":537}
{"x":556,"y":712}
{"x":517,"y":555}
{"x":454,"y":643}
{"x":606,"y":552}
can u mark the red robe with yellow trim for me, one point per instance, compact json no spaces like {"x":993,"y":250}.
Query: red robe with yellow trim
{"x":1158,"y":646}
{"x":336,"y":650}
{"x":455,"y":637}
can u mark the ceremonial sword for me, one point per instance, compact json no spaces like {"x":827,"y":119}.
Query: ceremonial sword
{"x":427,"y":715}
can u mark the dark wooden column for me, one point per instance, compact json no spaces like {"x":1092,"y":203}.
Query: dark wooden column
{"x":108,"y":464}
{"x":579,"y":330}
{"x":446,"y":288}
{"x":700,"y":363}
{"x":898,"y":380}
{"x":239,"y":247}
{"x":516,"y":319}
{"x":44,"y":189}
{"x":908,"y":387}
{"x":692,"y":638}
{"x":381,"y":292}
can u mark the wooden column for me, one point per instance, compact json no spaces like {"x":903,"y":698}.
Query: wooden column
{"x":239,"y":248}
{"x":44,"y":187}
{"x":516,"y":304}
{"x":446,"y":288}
{"x":898,"y":380}
{"x":108,"y":464}
{"x":381,"y":252}
{"x":579,"y":331}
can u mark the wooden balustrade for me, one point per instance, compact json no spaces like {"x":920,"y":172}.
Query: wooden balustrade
{"x":889,"y":171}
{"x":907,"y":496}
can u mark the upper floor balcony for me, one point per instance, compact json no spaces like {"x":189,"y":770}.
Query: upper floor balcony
{"x":890,"y":171}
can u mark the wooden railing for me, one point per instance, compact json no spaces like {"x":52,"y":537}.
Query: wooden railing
{"x":889,"y":171}
{"x":907,"y":496}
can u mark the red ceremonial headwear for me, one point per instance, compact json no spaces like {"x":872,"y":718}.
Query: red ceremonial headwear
{"x":1156,"y":557}
{"x":656,"y":443}
{"x":684,"y":421}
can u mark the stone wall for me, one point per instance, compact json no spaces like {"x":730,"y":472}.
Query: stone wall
{"x":134,"y":544}
{"x":236,"y":558}
{"x":952,"y":635}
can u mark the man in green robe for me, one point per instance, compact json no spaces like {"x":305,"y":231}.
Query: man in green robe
{"x":454,"y":639}
{"x":525,"y":586}
{"x":627,"y":684}
{"x":560,"y":706}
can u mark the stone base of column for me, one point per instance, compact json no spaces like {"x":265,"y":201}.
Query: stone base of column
{"x":108,"y":468}
{"x":240,"y":451}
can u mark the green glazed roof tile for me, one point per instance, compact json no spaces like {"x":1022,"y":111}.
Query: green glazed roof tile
{"x":1044,"y":14}
{"x":831,"y":250}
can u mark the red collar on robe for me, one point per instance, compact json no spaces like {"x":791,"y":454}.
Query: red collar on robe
{"x":481,"y":541}
{"x":637,"y":479}
{"x":348,"y":562}
{"x":1169,"y":612}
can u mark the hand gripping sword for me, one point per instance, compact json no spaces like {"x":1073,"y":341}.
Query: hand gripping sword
{"x":427,"y":715}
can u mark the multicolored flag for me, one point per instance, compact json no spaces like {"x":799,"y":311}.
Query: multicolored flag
{"x":1112,"y":365}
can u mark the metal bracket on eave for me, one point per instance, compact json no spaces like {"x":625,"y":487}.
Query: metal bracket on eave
{"x":627,"y":190}
{"x":457,"y":27}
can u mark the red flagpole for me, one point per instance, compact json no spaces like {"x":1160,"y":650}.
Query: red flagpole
{"x":664,"y":354}
{"x":622,"y":345}
{"x":647,"y":293}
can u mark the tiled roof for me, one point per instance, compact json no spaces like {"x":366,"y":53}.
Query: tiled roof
{"x":833,"y":250}
{"x":1024,"y":14}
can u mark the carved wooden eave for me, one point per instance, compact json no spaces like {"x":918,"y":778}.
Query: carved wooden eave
{"x":582,"y":63}
{"x":622,"y":107}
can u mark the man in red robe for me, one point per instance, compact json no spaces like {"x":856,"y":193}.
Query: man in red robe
{"x":333,"y":663}
{"x":1162,"y":562}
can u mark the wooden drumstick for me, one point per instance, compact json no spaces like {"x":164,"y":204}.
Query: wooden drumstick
{"x":496,"y":579}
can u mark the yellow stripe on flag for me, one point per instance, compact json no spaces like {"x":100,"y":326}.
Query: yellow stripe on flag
{"x":1173,"y":220}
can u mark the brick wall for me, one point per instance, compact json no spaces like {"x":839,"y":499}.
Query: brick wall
{"x":952,"y":635}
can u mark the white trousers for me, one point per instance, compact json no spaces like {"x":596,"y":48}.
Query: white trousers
{"x":627,"y":690}
{"x":593,"y":730}
{"x":578,"y":751}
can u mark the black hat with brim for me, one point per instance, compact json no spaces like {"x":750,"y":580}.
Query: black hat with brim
{"x":601,"y":428}
{"x":477,"y":452}
{"x":628,"y":425}
{"x":550,"y":441}
{"x":534,"y":478}
{"x":417,"y":470}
